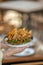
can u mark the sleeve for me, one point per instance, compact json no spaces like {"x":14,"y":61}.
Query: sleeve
{"x":1,"y":57}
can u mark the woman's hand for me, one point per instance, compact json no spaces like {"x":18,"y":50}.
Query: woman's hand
{"x":12,"y":51}
{"x":4,"y":46}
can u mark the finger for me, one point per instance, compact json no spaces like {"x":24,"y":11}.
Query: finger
{"x":4,"y":46}
{"x":25,"y":46}
{"x":22,"y":47}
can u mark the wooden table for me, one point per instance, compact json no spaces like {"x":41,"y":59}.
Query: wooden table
{"x":23,"y":59}
{"x":33,"y":63}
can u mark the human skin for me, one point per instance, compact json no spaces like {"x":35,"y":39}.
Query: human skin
{"x":11,"y":51}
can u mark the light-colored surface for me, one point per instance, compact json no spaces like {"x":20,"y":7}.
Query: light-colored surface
{"x":23,"y":6}
{"x":26,"y":52}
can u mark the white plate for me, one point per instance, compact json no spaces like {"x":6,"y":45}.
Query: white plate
{"x":32,"y":43}
{"x":26,"y":52}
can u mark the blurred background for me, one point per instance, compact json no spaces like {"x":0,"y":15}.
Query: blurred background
{"x":10,"y":19}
